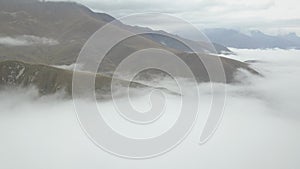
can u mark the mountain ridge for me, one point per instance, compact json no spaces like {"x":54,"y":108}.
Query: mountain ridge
{"x":54,"y":33}
{"x":68,"y":23}
{"x":49,"y":79}
{"x":253,"y":40}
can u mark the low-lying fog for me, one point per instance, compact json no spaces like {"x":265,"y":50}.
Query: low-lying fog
{"x":260,"y":126}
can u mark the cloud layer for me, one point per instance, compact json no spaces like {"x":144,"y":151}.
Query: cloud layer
{"x":260,"y":128}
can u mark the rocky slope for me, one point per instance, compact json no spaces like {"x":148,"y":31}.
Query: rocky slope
{"x":49,"y":80}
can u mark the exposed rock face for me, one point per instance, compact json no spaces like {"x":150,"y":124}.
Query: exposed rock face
{"x":47,"y":79}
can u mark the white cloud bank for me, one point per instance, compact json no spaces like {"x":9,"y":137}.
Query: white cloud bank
{"x":27,"y":40}
{"x":260,"y":128}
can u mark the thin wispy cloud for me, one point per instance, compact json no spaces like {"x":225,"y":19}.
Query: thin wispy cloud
{"x":26,"y":40}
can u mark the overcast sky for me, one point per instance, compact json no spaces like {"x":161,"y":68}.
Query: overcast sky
{"x":269,"y":16}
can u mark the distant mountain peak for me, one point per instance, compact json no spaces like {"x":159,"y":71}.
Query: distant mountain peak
{"x":254,"y":40}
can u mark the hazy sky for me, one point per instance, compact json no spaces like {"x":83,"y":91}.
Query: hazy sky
{"x":271,"y":16}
